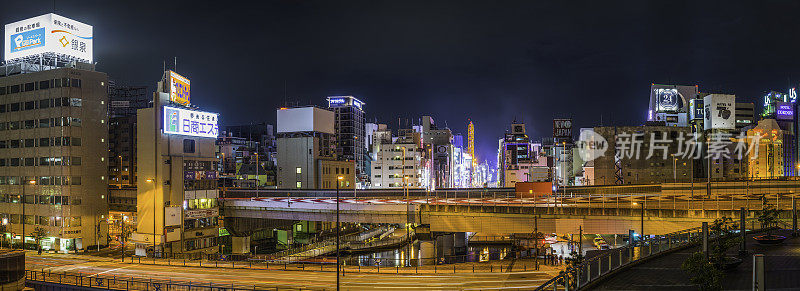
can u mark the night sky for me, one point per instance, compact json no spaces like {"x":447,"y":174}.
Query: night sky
{"x":491,"y":61}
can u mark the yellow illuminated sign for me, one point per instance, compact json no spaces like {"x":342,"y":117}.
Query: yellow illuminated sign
{"x":179,"y":89}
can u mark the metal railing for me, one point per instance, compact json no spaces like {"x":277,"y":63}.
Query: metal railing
{"x":596,"y":267}
{"x":99,"y":281}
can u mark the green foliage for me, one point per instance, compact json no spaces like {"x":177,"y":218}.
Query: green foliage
{"x":723,"y":229}
{"x":768,"y":217}
{"x":702,"y":272}
{"x":3,"y":231}
{"x":39,"y":233}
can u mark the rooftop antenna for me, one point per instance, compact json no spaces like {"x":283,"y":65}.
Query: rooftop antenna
{"x":175,"y":65}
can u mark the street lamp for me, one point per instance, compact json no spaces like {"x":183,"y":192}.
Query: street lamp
{"x":408,"y":236}
{"x":338,"y":181}
{"x":675,"y":168}
{"x":154,"y":215}
{"x":120,"y":171}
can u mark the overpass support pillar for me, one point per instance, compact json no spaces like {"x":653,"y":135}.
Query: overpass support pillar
{"x":240,"y":244}
{"x":444,"y":246}
{"x":427,"y":252}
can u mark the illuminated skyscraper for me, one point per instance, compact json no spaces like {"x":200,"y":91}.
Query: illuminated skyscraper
{"x":471,"y":142}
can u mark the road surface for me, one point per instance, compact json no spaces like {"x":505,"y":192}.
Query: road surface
{"x":93,"y":266}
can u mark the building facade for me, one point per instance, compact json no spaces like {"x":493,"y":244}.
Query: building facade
{"x":405,"y":157}
{"x":53,"y":140}
{"x":177,"y":195}
{"x":350,"y":128}
{"x":306,"y":144}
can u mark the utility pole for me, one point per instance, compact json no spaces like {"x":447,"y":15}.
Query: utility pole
{"x":338,"y":268}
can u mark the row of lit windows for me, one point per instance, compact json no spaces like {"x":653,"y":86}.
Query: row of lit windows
{"x":40,"y":199}
{"x":200,"y":243}
{"x":41,"y":161}
{"x":41,"y":104}
{"x":327,"y":170}
{"x":40,"y":142}
{"x":40,"y":123}
{"x":41,"y":85}
{"x":200,"y":223}
{"x":42,"y":180}
{"x":43,"y":220}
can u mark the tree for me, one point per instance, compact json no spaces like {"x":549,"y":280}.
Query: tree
{"x":38,"y":234}
{"x":702,"y":272}
{"x":125,"y":234}
{"x":768,"y":217}
{"x":723,"y":229}
{"x":3,"y":231}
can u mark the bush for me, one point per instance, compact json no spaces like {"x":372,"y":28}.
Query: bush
{"x":702,"y":272}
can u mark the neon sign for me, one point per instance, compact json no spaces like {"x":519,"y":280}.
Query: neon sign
{"x":190,"y":122}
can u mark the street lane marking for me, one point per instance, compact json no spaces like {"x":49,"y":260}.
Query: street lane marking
{"x":110,"y":270}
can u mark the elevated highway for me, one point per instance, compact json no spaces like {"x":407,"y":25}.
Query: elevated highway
{"x":662,"y":208}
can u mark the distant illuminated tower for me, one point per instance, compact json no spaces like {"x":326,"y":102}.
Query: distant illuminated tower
{"x":471,"y":143}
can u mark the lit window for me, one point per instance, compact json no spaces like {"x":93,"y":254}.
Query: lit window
{"x":299,"y":184}
{"x":299,"y":170}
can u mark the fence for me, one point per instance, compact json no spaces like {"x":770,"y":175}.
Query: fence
{"x":103,"y":282}
{"x":593,"y":268}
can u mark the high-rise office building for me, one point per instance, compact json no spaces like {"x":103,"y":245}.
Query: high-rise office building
{"x":514,"y":157}
{"x":123,"y":103}
{"x":350,"y":132}
{"x":53,"y":136}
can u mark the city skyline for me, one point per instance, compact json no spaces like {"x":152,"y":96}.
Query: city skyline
{"x":463,"y":60}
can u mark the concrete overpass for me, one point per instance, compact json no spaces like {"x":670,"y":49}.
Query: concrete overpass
{"x":663,"y":208}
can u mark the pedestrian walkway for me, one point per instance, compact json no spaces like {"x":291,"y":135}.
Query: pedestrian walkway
{"x":664,"y":273}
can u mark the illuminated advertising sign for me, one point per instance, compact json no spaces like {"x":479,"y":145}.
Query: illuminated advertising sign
{"x":178,"y":89}
{"x":562,"y":129}
{"x":696,"y":108}
{"x":336,"y":101}
{"x":49,"y":33}
{"x":339,"y":101}
{"x":719,"y":111}
{"x":190,"y":122}
{"x":667,"y":100}
{"x":785,"y":111}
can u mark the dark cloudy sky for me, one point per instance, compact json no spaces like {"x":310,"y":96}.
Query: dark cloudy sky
{"x":490,"y":61}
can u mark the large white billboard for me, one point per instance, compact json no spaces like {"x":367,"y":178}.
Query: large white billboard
{"x":305,"y":119}
{"x":190,"y":122}
{"x":49,"y":33}
{"x":720,"y":111}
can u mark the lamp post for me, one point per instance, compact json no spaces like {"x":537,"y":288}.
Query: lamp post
{"x":338,"y":268}
{"x":675,"y":168}
{"x":120,"y":171}
{"x":154,"y":215}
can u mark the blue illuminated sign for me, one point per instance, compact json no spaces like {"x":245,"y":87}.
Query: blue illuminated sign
{"x":190,"y":122}
{"x":27,"y":40}
{"x":785,"y":111}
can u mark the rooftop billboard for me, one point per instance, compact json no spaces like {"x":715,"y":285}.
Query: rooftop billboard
{"x":49,"y":33}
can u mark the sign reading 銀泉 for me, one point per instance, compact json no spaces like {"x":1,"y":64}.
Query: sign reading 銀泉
{"x":49,"y":33}
{"x":178,"y":89}
{"x":190,"y":122}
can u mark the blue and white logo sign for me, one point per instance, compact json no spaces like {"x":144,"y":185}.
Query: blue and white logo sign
{"x":27,"y":40}
{"x":190,"y":122}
